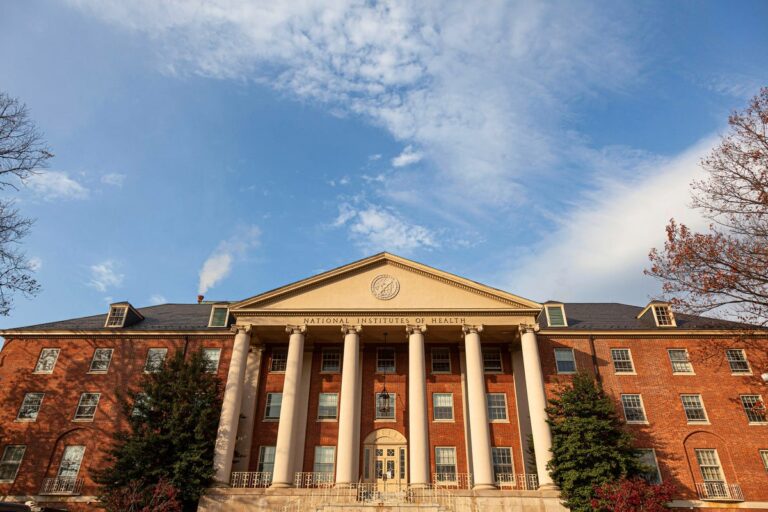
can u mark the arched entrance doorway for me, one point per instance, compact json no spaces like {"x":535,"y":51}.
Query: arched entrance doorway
{"x":385,"y":456}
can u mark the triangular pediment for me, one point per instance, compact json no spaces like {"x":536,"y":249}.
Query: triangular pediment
{"x":382,"y":282}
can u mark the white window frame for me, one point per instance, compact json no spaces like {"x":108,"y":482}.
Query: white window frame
{"x":31,"y":396}
{"x":318,"y":450}
{"x":505,"y":419}
{"x":443,"y":350}
{"x":210,"y":368}
{"x":655,"y":464}
{"x":644,"y":421}
{"x":745,"y":360}
{"x":319,"y":406}
{"x":764,"y":457}
{"x":151,"y":350}
{"x":5,"y":461}
{"x":323,"y":354}
{"x":393,"y":408}
{"x":750,"y":396}
{"x":573,"y":359}
{"x":494,"y":450}
{"x":262,"y":455}
{"x":448,"y":449}
{"x":113,"y":310}
{"x":435,"y":407}
{"x":379,"y":359}
{"x":268,"y":405}
{"x":94,"y":360}
{"x":139,"y":398}
{"x":226,"y":317}
{"x":83,"y":396}
{"x":496,"y":350}
{"x":687,"y":362}
{"x":670,"y":316}
{"x":55,"y":350}
{"x":703,"y":408}
{"x":272,"y":359}
{"x":562,"y":310}
{"x":717,"y":464}
{"x":616,"y":371}
{"x":62,"y":468}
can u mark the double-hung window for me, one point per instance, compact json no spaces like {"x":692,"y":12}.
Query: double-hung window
{"x":764,"y":458}
{"x":737,"y":360}
{"x":633,"y":408}
{"x":47,"y":360}
{"x":266,"y":459}
{"x":211,"y":357}
{"x":219,"y":316}
{"x":385,"y":406}
{"x":86,"y":408}
{"x":11,"y":461}
{"x":328,"y":406}
{"x":325,"y":457}
{"x":445,"y":463}
{"x":492,"y":360}
{"x":331,"y":360}
{"x":155,"y":360}
{"x":678,"y":358}
{"x":694,"y":408}
{"x":30,"y":407}
{"x":279,"y":360}
{"x":442,"y":406}
{"x":565,"y":360}
{"x":754,"y":407}
{"x":497,"y":406}
{"x":622,"y":360}
{"x":141,"y":405}
{"x":711,"y":473}
{"x":503,"y":468}
{"x":71,"y":461}
{"x":650,"y":471}
{"x":102,"y":357}
{"x":116,"y":317}
{"x":385,"y":360}
{"x":272,"y":410}
{"x":441,"y":360}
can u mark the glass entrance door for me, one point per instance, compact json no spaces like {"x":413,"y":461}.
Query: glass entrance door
{"x":388,"y":468}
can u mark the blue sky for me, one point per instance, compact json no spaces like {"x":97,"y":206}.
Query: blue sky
{"x":230,"y":147}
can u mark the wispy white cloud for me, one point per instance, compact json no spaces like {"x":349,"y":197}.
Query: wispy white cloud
{"x":105,"y":275}
{"x":375,"y":228}
{"x":219,"y":263}
{"x":407,"y":157}
{"x":114,"y":179}
{"x":598,"y":250}
{"x":156,"y":299}
{"x":52,"y":185}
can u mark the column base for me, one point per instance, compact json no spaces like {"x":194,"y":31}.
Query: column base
{"x":219,"y":485}
{"x":483,"y":487}
{"x":549,"y":487}
{"x":418,"y":485}
{"x":280,"y":485}
{"x":343,"y":485}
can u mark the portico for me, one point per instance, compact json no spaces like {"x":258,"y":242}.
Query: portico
{"x":442,"y":353}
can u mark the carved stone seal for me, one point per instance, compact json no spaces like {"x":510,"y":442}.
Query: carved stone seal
{"x":385,"y":287}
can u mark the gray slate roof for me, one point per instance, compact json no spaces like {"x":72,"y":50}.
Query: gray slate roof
{"x":580,"y":316}
{"x":614,"y":316}
{"x":165,"y":317}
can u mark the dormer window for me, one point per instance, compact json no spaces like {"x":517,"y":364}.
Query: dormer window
{"x":219,"y":316}
{"x":116,"y":317}
{"x":663,"y":316}
{"x":556,"y":315}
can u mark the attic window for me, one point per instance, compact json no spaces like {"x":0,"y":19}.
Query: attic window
{"x":219,"y":316}
{"x":556,"y":316}
{"x":116,"y":317}
{"x":663,"y":316}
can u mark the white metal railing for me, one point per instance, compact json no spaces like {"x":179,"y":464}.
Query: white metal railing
{"x":506,"y":480}
{"x":250,"y":479}
{"x":719,"y":491}
{"x":380,"y":494}
{"x":453,"y":480}
{"x":313,"y":479}
{"x":62,"y":486}
{"x":527,"y":482}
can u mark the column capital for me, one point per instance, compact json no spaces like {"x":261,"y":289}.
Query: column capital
{"x":295,"y":329}
{"x":351,"y":329}
{"x":412,"y":329}
{"x":241,"y":328}
{"x":526,"y":328}
{"x":471,"y":329}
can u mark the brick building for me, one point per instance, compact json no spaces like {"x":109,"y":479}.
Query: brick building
{"x":386,"y":375}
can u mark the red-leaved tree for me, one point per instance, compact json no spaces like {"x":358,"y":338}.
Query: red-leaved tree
{"x":726,"y":267}
{"x":635,"y":495}
{"x":139,"y":497}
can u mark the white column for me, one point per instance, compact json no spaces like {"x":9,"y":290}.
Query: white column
{"x":248,"y":409}
{"x":349,"y":408}
{"x":226,"y":436}
{"x":282,"y":475}
{"x":418,"y":427}
{"x":480,"y":431}
{"x":537,"y":402}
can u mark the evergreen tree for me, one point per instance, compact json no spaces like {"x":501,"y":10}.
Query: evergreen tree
{"x":589,"y":446}
{"x":173,"y":421}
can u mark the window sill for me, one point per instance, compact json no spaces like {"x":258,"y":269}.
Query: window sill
{"x":282,"y":372}
{"x":444,"y":421}
{"x":683,"y":373}
{"x":567,"y":373}
{"x":25,"y":420}
{"x":43,"y":373}
{"x":741,"y":374}
{"x":327,"y":420}
{"x":638,"y":423}
{"x":758,"y":423}
{"x":378,"y":372}
{"x":699,"y":422}
{"x":271,"y":420}
{"x":493,"y":372}
{"x":625,"y":373}
{"x":7,"y":481}
{"x":98,"y":372}
{"x":330,"y":372}
{"x":83,"y":420}
{"x":498,"y":421}
{"x":385,"y":420}
{"x":433,"y":372}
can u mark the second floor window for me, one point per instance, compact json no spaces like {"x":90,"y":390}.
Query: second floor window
{"x":30,"y":406}
{"x":279,"y":360}
{"x":754,"y":407}
{"x":385,"y":360}
{"x":622,"y":360}
{"x":633,"y":408}
{"x":564,"y":360}
{"x":211,"y":357}
{"x":737,"y":360}
{"x":442,"y":406}
{"x":331,"y":360}
{"x":155,"y":360}
{"x":86,"y":408}
{"x":680,"y":361}
{"x":694,"y":408}
{"x":497,"y":406}
{"x":492,"y":360}
{"x":328,"y":406}
{"x":385,"y":406}
{"x":274,"y":402}
{"x":102,"y":357}
{"x":47,"y":360}
{"x":441,"y":360}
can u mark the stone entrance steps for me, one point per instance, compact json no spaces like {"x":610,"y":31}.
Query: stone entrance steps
{"x":378,"y":507}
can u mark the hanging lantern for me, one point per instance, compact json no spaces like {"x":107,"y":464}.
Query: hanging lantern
{"x":384,"y":406}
